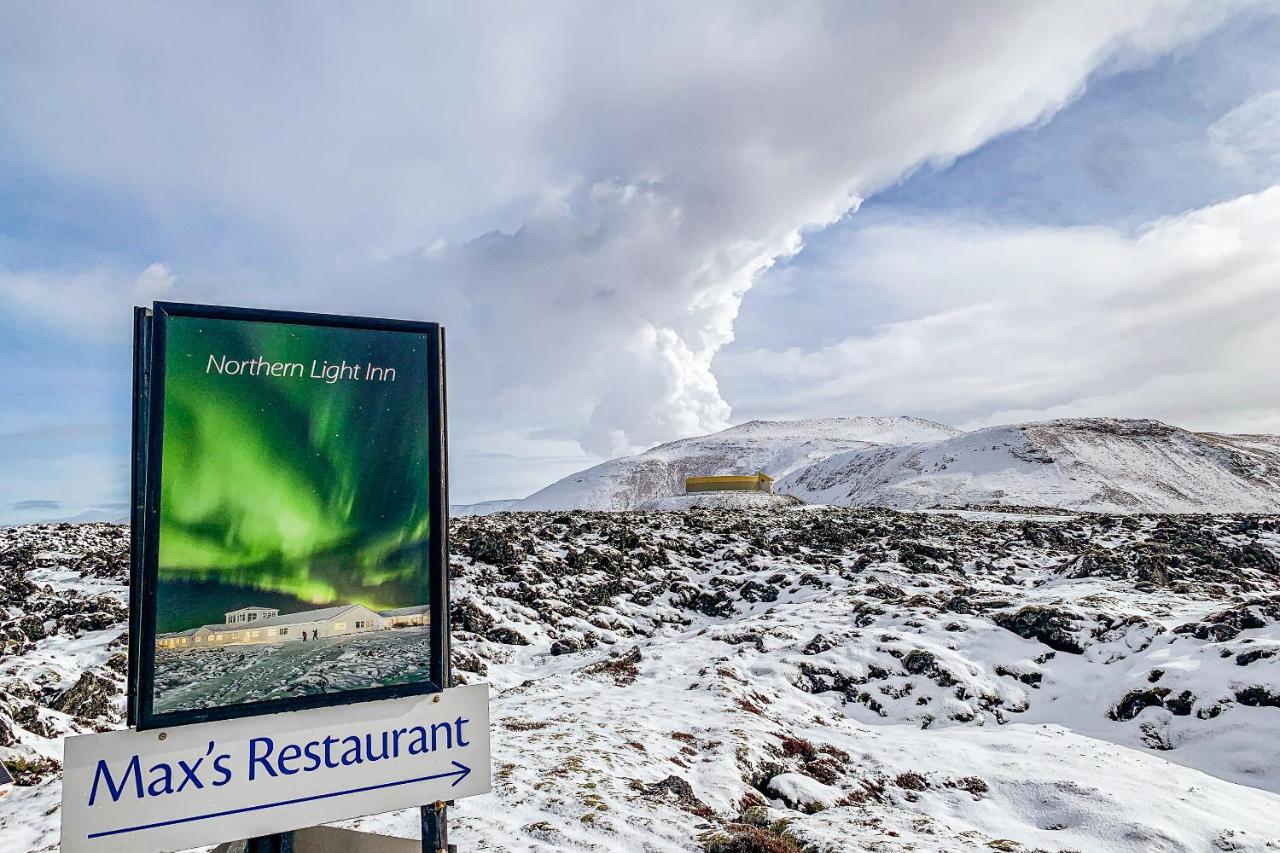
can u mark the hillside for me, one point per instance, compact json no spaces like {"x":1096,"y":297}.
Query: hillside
{"x":785,"y":680}
{"x":1094,"y":464}
{"x":775,"y":447}
{"x":482,"y":508}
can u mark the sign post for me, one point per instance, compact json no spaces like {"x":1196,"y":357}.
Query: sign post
{"x":289,"y":636}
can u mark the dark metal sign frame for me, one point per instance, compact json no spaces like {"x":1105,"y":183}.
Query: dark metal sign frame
{"x":148,"y":442}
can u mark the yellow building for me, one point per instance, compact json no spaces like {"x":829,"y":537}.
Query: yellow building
{"x":757,"y":482}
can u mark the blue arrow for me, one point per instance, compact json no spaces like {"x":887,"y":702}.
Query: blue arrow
{"x":461,"y":773}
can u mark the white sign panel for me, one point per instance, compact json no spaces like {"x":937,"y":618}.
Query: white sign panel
{"x":202,"y":784}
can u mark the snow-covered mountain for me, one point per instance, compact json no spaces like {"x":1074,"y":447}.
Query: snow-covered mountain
{"x":482,"y":508}
{"x":1095,"y":464}
{"x":1092,"y":464}
{"x":775,"y":447}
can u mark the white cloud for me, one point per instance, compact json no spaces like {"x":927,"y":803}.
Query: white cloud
{"x":1179,"y":321}
{"x":596,"y":188}
{"x":1247,"y":139}
{"x":154,"y":283}
{"x":94,"y":303}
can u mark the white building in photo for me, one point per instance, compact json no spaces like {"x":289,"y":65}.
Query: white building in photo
{"x":403,"y":617}
{"x":251,"y":614}
{"x":249,"y":625}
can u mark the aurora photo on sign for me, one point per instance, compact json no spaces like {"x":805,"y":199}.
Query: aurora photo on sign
{"x":294,"y":512}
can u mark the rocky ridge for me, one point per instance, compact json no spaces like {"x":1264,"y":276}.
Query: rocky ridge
{"x":775,"y":447}
{"x":1110,"y":465}
{"x":1083,"y":464}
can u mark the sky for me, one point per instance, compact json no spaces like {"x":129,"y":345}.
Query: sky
{"x":643,"y":223}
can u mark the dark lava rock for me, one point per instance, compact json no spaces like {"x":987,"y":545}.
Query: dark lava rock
{"x":920,"y":662}
{"x":1227,"y":624}
{"x":1246,"y":658}
{"x":1255,"y":556}
{"x":1055,"y":628}
{"x":738,"y":638}
{"x":466,"y":615}
{"x":90,"y":697}
{"x":975,"y":785}
{"x":27,"y":772}
{"x":756,"y":592}
{"x":507,"y":636}
{"x":469,"y":661}
{"x":1032,"y":679}
{"x":1180,"y":705}
{"x":822,"y":679}
{"x":745,"y":838}
{"x":106,"y":564}
{"x":15,"y":589}
{"x":487,"y":546}
{"x":1258,"y":696}
{"x":623,"y":669}
{"x":1136,"y":701}
{"x":28,"y":717}
{"x":32,"y":627}
{"x":824,"y":770}
{"x":100,"y":613}
{"x":707,"y":603}
{"x":911,"y":781}
{"x":673,"y":789}
{"x":566,"y":646}
{"x":818,"y":645}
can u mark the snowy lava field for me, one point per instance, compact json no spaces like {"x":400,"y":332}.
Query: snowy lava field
{"x":786,"y":679}
{"x":230,"y":674}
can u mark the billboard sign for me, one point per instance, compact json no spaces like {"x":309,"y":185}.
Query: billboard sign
{"x":289,"y":519}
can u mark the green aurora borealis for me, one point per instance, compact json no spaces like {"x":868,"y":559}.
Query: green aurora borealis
{"x":292,"y":486}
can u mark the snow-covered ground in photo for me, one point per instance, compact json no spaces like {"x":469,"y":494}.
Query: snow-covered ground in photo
{"x":809,"y":679}
{"x":232,"y":675}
